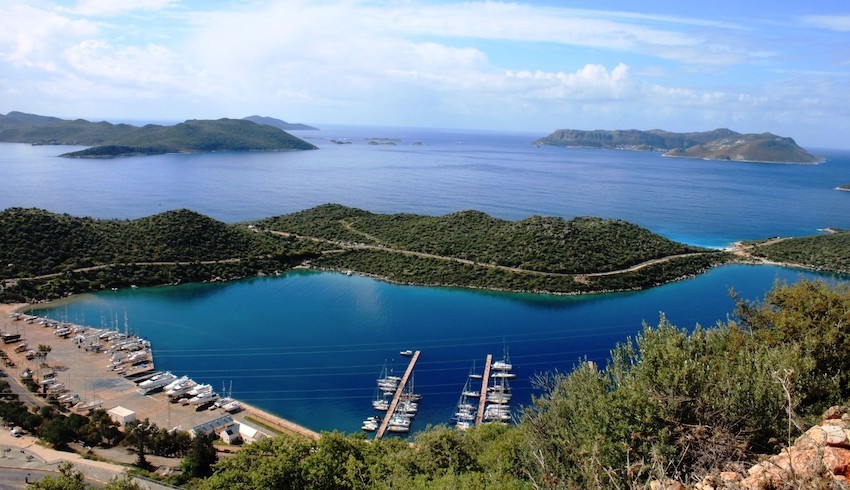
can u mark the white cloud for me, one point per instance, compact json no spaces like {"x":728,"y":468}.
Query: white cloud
{"x":111,"y":8}
{"x":407,"y":62}
{"x":30,"y":36}
{"x":832,"y":22}
{"x":592,"y":82}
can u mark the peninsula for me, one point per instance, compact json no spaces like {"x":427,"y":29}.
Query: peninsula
{"x":829,"y":251}
{"x":50,"y":255}
{"x":108,"y":140}
{"x":719,"y":144}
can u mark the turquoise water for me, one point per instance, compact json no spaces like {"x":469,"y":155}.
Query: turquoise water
{"x":308,"y":346}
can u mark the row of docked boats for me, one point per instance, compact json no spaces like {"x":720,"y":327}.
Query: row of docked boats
{"x":497,"y":396}
{"x":401,"y":417}
{"x":187,"y":391}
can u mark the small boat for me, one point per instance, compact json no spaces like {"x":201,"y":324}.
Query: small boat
{"x":407,"y":353}
{"x":156,"y":382}
{"x":179,"y":381}
{"x":502,"y":365}
{"x":382,"y":405}
{"x":371,"y":424}
{"x":202,"y":398}
{"x":232,"y":406}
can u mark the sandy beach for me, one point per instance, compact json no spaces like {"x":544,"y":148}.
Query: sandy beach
{"x":86,"y":374}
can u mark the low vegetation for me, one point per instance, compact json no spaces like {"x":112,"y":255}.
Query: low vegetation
{"x":821,"y":252}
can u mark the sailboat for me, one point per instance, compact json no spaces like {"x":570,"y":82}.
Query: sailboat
{"x":465,"y":411}
{"x":499,"y":393}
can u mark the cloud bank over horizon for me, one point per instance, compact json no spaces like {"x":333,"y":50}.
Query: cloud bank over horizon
{"x":485,"y":65}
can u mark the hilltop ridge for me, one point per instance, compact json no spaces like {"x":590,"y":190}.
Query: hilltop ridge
{"x":719,"y":144}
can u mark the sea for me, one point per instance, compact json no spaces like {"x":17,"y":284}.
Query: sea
{"x":308,"y":345}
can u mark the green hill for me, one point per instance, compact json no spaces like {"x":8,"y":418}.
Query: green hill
{"x":114,"y":140}
{"x":545,"y":244}
{"x":46,"y":255}
{"x":823,"y":252}
{"x":35,"y":242}
{"x":719,"y":144}
{"x":471,"y":249}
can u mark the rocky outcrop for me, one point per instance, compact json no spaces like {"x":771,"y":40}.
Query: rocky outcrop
{"x":820,"y":459}
{"x":822,"y":452}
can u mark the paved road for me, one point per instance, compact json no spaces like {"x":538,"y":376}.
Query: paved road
{"x":13,"y":478}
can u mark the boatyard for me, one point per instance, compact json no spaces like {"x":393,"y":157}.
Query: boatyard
{"x":86,"y":368}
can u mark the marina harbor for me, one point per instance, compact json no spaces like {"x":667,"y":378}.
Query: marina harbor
{"x":84,"y":368}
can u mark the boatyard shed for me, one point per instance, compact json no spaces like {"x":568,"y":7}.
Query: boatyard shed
{"x":211,"y":427}
{"x":250,"y":434}
{"x":230,"y":434}
{"x":122,"y":416}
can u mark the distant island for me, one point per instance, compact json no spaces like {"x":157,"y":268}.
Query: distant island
{"x":108,"y":140}
{"x":720,"y":144}
{"x":277,"y":123}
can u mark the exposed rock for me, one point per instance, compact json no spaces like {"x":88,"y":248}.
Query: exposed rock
{"x":821,"y":456}
{"x":666,"y":485}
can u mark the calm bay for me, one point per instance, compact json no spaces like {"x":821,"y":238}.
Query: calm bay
{"x":308,"y":346}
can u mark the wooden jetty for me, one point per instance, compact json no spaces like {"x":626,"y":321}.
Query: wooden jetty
{"x":398,"y":391}
{"x":482,"y":398}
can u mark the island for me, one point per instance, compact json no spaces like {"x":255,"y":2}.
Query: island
{"x":719,"y":144}
{"x":108,"y":140}
{"x":277,"y":123}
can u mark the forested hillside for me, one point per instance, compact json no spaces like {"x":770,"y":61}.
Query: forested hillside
{"x":34,"y":242}
{"x":543,"y":244}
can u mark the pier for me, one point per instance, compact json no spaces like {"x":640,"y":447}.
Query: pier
{"x":398,"y":391}
{"x":482,"y":399}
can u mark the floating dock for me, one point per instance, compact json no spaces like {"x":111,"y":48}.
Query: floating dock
{"x":398,"y":391}
{"x":482,"y":399}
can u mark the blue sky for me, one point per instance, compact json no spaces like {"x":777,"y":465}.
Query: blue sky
{"x":778,"y":66}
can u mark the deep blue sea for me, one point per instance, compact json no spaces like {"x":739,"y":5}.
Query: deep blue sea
{"x":308,"y":345}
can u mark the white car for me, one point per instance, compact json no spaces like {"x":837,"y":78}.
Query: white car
{"x":16,"y":432}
